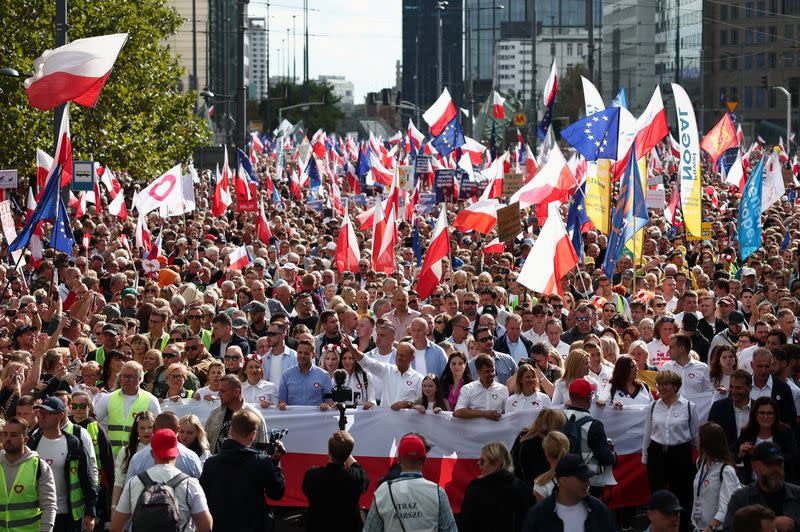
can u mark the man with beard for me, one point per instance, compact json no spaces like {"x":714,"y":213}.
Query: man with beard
{"x":769,"y":489}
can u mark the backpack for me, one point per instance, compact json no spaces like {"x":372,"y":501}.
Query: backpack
{"x":157,"y":509}
{"x":573,"y":431}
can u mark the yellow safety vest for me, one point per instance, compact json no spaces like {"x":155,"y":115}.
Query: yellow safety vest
{"x":100,"y":356}
{"x":20,"y":510}
{"x":75,"y":492}
{"x":118,"y":427}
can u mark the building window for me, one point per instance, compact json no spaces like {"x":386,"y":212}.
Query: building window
{"x":762,"y":7}
{"x":760,"y":60}
{"x":748,"y":36}
{"x":748,"y":62}
{"x":788,"y":31}
{"x":748,"y":10}
{"x":748,"y":96}
{"x":773,"y":33}
{"x":723,"y":64}
{"x":773,"y":7}
{"x":761,"y":37}
{"x":771,"y":99}
{"x":772,"y":60}
{"x":553,"y":49}
{"x":723,"y":37}
{"x":569,"y":48}
{"x":734,"y":12}
{"x":787,"y":59}
{"x":580,"y":49}
{"x":734,"y":63}
{"x":760,"y":97}
{"x":734,"y":36}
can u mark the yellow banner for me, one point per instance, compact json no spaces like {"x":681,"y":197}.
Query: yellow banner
{"x":598,"y":194}
{"x":689,"y":171}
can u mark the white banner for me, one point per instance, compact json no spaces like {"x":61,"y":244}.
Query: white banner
{"x":7,"y":222}
{"x":689,"y":164}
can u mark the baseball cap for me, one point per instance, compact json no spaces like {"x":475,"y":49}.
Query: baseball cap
{"x":411,"y":446}
{"x":725,"y":300}
{"x":52,"y":404}
{"x":572,"y":465}
{"x":528,"y":242}
{"x":256,"y":306}
{"x":665,"y":502}
{"x":736,"y":318}
{"x":588,"y":260}
{"x":690,"y":321}
{"x":748,"y":271}
{"x":164,"y":443}
{"x":581,"y":388}
{"x":290,"y":266}
{"x":331,"y":246}
{"x":260,"y":262}
{"x":111,"y":328}
{"x":130,"y":291}
{"x":767,"y":452}
{"x":239,"y":322}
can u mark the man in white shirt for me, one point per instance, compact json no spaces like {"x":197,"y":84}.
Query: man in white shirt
{"x":280,"y":357}
{"x":460,"y":337}
{"x":554,"y":330}
{"x":537,"y":332}
{"x":383,"y":352}
{"x":194,"y":514}
{"x":695,"y":374}
{"x":483,"y":397}
{"x":402,"y":384}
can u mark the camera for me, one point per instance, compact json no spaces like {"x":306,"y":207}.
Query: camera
{"x":340,"y":392}
{"x":273,"y":437}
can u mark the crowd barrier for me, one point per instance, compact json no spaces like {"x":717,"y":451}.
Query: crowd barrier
{"x":457,"y":443}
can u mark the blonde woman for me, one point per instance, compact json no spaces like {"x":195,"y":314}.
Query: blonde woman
{"x":192,"y":434}
{"x":527,"y":452}
{"x":575,"y":367}
{"x":555,"y":446}
{"x":210,"y":392}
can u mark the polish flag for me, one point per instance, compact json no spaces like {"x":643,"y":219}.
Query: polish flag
{"x":551,"y":258}
{"x":222,"y":196}
{"x":466,"y":164}
{"x":431,"y":274}
{"x":651,"y":126}
{"x":552,"y":183}
{"x":380,"y":173}
{"x":474,"y":149}
{"x":74,"y":72}
{"x":672,"y":208}
{"x":123,"y":239}
{"x":415,"y":137}
{"x":262,"y":226}
{"x":294,"y":184}
{"x":736,"y":175}
{"x":347,"y":252}
{"x":395,"y":139}
{"x":117,"y":207}
{"x":43,"y":164}
{"x":365,"y":219}
{"x":499,"y":106}
{"x":37,"y":247}
{"x":495,"y":246}
{"x":143,"y":238}
{"x":481,"y":216}
{"x":239,"y":258}
{"x":712,"y":192}
{"x":384,"y":238}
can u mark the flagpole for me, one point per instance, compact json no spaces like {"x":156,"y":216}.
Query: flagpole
{"x":15,"y":269}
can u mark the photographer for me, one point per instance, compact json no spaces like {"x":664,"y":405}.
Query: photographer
{"x":237,"y":479}
{"x":335,"y":488}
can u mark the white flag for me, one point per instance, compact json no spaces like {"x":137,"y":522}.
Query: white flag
{"x":163,"y":193}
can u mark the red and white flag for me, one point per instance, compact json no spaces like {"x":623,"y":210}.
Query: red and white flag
{"x":384,"y":238}
{"x":495,"y":246}
{"x":551,"y":258}
{"x":552,"y":183}
{"x":262,"y":225}
{"x":74,"y":72}
{"x":347,"y":252}
{"x":43,"y":164}
{"x":499,"y":106}
{"x":117,"y":207}
{"x":672,"y":208}
{"x":431,"y":274}
{"x":481,"y":216}
{"x":222,"y":196}
{"x":474,"y":149}
{"x":239,"y":258}
{"x":415,"y":137}
{"x":163,"y":193}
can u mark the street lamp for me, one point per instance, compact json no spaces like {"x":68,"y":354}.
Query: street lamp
{"x":13,"y":73}
{"x":788,"y":114}
{"x":441,"y":5}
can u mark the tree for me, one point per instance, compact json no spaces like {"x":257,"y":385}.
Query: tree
{"x":288,"y":94}
{"x":569,"y":101}
{"x":141,"y":123}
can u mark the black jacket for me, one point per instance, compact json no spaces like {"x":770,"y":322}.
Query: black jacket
{"x":783,"y":396}
{"x":700,"y":345}
{"x":235,"y":340}
{"x":705,"y":328}
{"x":85,"y":474}
{"x":596,"y":439}
{"x":105,"y":458}
{"x":501,"y":344}
{"x":529,"y":459}
{"x":334,"y":490}
{"x":497,"y":502}
{"x":751,"y":494}
{"x":254,"y":476}
{"x":722,"y":414}
{"x":543,"y":516}
{"x":782,"y":438}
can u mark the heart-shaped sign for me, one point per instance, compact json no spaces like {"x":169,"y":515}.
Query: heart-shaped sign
{"x":19,"y":488}
{"x":49,"y":461}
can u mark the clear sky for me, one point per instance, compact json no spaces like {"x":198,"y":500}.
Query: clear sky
{"x":359,"y":39}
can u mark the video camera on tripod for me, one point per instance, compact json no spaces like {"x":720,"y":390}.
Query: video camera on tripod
{"x":343,"y":396}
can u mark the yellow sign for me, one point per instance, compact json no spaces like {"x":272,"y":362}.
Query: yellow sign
{"x":520,"y":119}
{"x":705,"y":232}
{"x":732,"y":106}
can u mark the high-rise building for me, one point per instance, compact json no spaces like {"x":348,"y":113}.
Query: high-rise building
{"x":419,"y":68}
{"x":257,"y":39}
{"x":189,"y":42}
{"x":222,"y":64}
{"x":342,"y":89}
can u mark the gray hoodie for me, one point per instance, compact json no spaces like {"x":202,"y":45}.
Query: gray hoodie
{"x":45,"y":486}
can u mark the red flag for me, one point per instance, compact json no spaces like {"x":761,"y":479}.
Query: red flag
{"x":431,"y":274}
{"x":222,"y":196}
{"x":551,"y":258}
{"x":384,"y":238}
{"x":347,"y":252}
{"x":262,"y":226}
{"x":499,"y":106}
{"x":721,"y":137}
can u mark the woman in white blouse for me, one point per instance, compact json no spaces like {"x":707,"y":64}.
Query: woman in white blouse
{"x":254,"y":388}
{"x":722,"y":362}
{"x":715,"y":481}
{"x":575,"y":367}
{"x":624,"y":388}
{"x":358,"y":380}
{"x":528,"y":396}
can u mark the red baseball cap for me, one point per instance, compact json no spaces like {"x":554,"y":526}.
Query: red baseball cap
{"x":411,"y":446}
{"x":581,"y":388}
{"x":164,"y":444}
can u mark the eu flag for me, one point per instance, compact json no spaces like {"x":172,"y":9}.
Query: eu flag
{"x":596,"y":135}
{"x":630,"y":214}
{"x":62,"y":239}
{"x":46,"y":209}
{"x":576,"y":218}
{"x":362,"y":165}
{"x":314,"y":181}
{"x":416,"y":244}
{"x":547,"y":119}
{"x":450,"y":138}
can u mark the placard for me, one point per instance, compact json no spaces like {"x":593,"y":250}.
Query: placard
{"x":9,"y":231}
{"x":443,"y":184}
{"x":405,"y":177}
{"x":422,"y":164}
{"x":508,"y":223}
{"x":705,"y":232}
{"x":512,"y":182}
{"x":655,"y":198}
{"x":83,"y":175}
{"x":8,"y":178}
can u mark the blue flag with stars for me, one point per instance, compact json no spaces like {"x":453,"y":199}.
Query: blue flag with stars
{"x":62,"y":239}
{"x":576,"y":218}
{"x":630,"y":214}
{"x":46,"y":209}
{"x":596,"y":135}
{"x":450,"y":138}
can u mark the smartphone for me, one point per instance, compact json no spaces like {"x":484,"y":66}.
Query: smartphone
{"x":39,"y":300}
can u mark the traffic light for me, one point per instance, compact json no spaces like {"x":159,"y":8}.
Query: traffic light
{"x":764,"y":84}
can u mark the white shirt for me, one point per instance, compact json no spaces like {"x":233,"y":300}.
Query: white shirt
{"x":396,"y":386}
{"x":795,"y":393}
{"x":766,"y":391}
{"x":561,"y":391}
{"x":534,"y":402}
{"x":562,"y":348}
{"x":376,"y":383}
{"x":420,"y":364}
{"x":695,"y":376}
{"x":713,"y":486}
{"x":745,"y":357}
{"x":54,"y":452}
{"x":670,"y":425}
{"x":641,"y":397}
{"x":474,"y":395}
{"x":742,"y":416}
{"x":190,"y":496}
{"x":531,"y":335}
{"x":672,"y":304}
{"x":463,"y":347}
{"x":573,"y":517}
{"x":101,"y":405}
{"x":262,"y":390}
{"x":603,"y":376}
{"x":659,"y":353}
{"x":355,"y":382}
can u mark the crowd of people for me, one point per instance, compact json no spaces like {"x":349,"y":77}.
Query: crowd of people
{"x":98,"y":343}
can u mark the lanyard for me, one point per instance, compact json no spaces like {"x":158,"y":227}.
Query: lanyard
{"x":703,"y":474}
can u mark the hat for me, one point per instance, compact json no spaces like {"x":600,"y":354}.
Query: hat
{"x":411,"y":446}
{"x":588,"y":260}
{"x":111,"y":311}
{"x":167,"y":277}
{"x":290,"y":266}
{"x":690,"y":321}
{"x":111,"y":329}
{"x":725,"y":300}
{"x":52,"y":404}
{"x":581,"y":388}
{"x":528,"y":242}
{"x":766,"y":452}
{"x":164,"y":444}
{"x":331,"y":246}
{"x":674,"y":252}
{"x":260,"y":262}
{"x":572,"y":465}
{"x":736,"y":318}
{"x":239,"y":323}
{"x":665,"y":502}
{"x":628,"y":274}
{"x":256,"y":306}
{"x":130,"y":291}
{"x":748,"y":271}
{"x":19,"y":331}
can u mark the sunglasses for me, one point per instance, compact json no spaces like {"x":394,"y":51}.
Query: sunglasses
{"x":272,"y":333}
{"x":470,"y":302}
{"x":484,"y":340}
{"x":582,"y":318}
{"x":80,"y":406}
{"x":195,"y":317}
{"x":232,"y":357}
